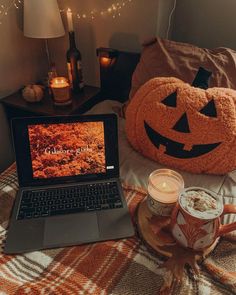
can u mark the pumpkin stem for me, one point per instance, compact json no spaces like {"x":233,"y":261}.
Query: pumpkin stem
{"x":201,"y":79}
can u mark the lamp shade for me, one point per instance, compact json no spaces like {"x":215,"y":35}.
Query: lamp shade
{"x":42,"y":19}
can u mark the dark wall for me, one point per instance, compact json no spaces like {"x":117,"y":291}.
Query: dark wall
{"x":206,"y":23}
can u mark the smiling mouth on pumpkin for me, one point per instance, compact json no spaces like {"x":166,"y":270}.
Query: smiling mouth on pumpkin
{"x":176,"y":149}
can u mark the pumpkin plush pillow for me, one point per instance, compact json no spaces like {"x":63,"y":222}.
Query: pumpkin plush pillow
{"x":184,"y":126}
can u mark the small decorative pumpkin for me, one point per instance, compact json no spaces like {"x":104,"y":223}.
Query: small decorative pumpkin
{"x":32,"y":93}
{"x":183,"y":126}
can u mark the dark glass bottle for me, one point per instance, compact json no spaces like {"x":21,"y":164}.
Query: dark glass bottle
{"x":74,"y":67}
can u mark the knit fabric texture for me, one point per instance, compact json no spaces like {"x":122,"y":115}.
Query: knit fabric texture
{"x":182,"y":126}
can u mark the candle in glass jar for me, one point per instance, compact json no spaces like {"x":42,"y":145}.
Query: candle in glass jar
{"x":164,"y":186}
{"x":61,"y":90}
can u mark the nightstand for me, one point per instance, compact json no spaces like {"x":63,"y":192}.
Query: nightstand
{"x":16,"y":106}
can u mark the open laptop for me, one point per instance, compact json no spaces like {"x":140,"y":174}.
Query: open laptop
{"x":69,"y":187}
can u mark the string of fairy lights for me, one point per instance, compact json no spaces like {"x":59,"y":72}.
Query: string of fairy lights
{"x":4,"y":9}
{"x":114,"y":10}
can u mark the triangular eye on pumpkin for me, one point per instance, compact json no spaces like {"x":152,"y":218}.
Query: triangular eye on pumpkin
{"x":170,"y":100}
{"x":209,"y":109}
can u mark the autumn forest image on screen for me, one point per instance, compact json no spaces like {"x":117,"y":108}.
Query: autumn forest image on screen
{"x":67,"y":149}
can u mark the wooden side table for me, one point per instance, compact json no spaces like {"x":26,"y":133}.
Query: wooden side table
{"x":16,"y":106}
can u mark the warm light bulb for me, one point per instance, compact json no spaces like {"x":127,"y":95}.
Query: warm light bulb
{"x":105,"y":61}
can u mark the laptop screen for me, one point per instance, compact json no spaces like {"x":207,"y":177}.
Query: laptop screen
{"x":65,"y":148}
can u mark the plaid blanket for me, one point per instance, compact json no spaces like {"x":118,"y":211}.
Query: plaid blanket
{"x":114,"y":267}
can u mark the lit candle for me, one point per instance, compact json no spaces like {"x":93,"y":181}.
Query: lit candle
{"x":164,"y":186}
{"x":61,"y":91}
{"x":59,"y":82}
{"x":69,"y":20}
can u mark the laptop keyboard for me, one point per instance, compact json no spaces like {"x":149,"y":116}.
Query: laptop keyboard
{"x":66,"y":200}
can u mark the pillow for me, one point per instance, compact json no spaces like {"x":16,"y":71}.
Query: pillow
{"x":182,"y":126}
{"x":165,"y":58}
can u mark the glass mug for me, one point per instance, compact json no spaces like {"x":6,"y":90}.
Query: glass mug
{"x":164,"y":187}
{"x":196,"y":218}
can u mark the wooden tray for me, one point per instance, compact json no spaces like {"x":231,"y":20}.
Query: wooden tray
{"x":155,"y":233}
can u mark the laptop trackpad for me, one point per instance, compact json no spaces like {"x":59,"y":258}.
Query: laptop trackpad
{"x":71,"y":229}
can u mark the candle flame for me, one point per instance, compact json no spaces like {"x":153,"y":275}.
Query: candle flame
{"x":164,"y":185}
{"x":68,"y":10}
{"x":59,"y":82}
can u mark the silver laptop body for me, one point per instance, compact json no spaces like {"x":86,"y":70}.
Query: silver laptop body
{"x":80,"y":155}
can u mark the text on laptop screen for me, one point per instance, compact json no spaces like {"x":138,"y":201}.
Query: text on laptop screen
{"x":67,"y":149}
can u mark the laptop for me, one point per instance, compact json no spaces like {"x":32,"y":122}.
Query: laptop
{"x":69,"y":187}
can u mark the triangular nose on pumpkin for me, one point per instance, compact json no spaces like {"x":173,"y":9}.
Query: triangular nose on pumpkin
{"x":182,"y":124}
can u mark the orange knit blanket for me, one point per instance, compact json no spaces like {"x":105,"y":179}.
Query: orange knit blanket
{"x":113,"y":267}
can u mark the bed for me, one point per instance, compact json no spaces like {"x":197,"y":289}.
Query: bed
{"x":125,"y":266}
{"x":162,"y":58}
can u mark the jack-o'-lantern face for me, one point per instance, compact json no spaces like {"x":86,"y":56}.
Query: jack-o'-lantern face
{"x":183,"y":126}
{"x":174,"y":148}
